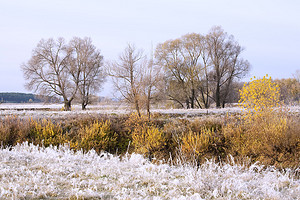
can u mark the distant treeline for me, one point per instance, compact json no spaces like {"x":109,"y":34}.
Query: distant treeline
{"x":19,"y":98}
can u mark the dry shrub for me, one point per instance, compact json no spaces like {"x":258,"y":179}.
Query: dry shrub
{"x":197,"y":144}
{"x":147,"y":139}
{"x":264,"y":130}
{"x":47,"y":133}
{"x":14,"y":130}
{"x":173,"y":130}
{"x":97,"y":136}
{"x":211,"y":123}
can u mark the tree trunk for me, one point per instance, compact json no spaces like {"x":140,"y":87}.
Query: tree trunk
{"x":83,"y":106}
{"x":148,"y":103}
{"x":137,"y":107}
{"x":218,"y":100}
{"x":187,"y":104}
{"x":193,"y":99}
{"x":148,"y":111}
{"x":67,"y":106}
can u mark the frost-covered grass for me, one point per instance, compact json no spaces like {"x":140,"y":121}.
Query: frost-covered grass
{"x":38,"y":110}
{"x":54,"y":110}
{"x":28,"y":171}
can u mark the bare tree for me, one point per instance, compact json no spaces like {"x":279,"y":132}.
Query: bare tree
{"x":47,"y":71}
{"x":169,"y":56}
{"x":86,"y":68}
{"x":151,"y":84}
{"x":68,"y":71}
{"x":204,"y":87}
{"x":201,"y":68}
{"x":224,"y":55}
{"x":181,"y":59}
{"x":296,"y":75}
{"x":128,"y":75}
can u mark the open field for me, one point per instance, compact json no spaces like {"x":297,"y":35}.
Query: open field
{"x":54,"y":110}
{"x":176,"y":167}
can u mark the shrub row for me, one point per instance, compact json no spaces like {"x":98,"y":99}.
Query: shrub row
{"x":270,"y":140}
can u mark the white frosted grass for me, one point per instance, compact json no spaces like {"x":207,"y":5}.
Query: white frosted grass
{"x":53,"y":110}
{"x":28,"y":171}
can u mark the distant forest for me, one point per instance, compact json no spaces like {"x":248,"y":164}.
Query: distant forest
{"x":19,"y":98}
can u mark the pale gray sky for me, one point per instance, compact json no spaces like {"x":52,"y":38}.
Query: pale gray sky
{"x":268,"y":29}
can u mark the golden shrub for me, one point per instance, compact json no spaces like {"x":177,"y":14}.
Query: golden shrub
{"x":196,"y":144}
{"x":98,"y":136}
{"x":258,"y":97}
{"x":47,"y":133}
{"x":135,"y":121}
{"x":263,"y":128}
{"x":147,"y":139}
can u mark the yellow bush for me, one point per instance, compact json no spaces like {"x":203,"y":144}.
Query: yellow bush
{"x":46,"y":132}
{"x":135,"y":121}
{"x":259,"y":97}
{"x":262,"y":129}
{"x":195,"y":144}
{"x":147,"y":140}
{"x":98,"y":136}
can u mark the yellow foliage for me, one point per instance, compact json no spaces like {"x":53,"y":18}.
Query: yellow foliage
{"x":147,"y":139}
{"x":197,"y":144}
{"x":49,"y":133}
{"x":135,"y":122}
{"x":258,"y":97}
{"x":262,"y":128}
{"x":98,"y":136}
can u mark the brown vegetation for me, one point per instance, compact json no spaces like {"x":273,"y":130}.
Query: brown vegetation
{"x":180,"y":139}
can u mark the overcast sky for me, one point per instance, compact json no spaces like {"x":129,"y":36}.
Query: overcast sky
{"x":268,"y":29}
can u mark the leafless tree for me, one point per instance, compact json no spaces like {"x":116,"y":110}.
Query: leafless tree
{"x":169,"y":56}
{"x":47,"y":71}
{"x":204,"y":87}
{"x":296,"y":75}
{"x":181,"y":58}
{"x":65,"y":70}
{"x":224,"y":55}
{"x":86,"y":68}
{"x":200,"y":69}
{"x":127,"y":75}
{"x":191,"y":52}
{"x":151,"y":84}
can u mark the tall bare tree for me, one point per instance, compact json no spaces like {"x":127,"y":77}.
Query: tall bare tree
{"x":169,"y":56}
{"x":226,"y":62}
{"x":47,"y":71}
{"x":201,"y":68}
{"x":86,"y":68}
{"x":65,"y":70}
{"x":181,"y":59}
{"x":191,"y":52}
{"x":204,"y":88}
{"x":128,"y":74}
{"x":151,"y":84}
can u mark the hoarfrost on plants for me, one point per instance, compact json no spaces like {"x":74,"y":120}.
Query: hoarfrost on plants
{"x":28,"y":171}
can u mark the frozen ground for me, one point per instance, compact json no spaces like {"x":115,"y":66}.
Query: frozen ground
{"x":54,"y":110}
{"x":28,"y":171}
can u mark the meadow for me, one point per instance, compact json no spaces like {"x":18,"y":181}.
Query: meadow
{"x":108,"y":152}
